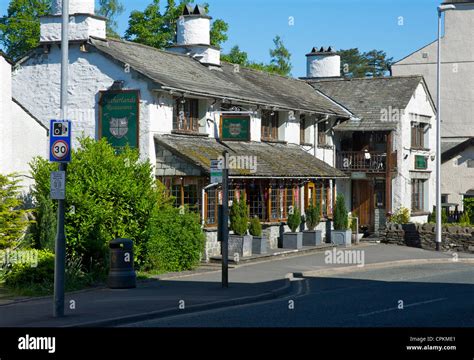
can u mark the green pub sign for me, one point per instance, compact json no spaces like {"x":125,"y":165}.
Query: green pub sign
{"x":421,"y":162}
{"x":119,"y":116}
{"x":235,"y":128}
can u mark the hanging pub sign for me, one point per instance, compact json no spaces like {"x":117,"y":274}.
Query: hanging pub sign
{"x":235,"y":127}
{"x":119,"y":115}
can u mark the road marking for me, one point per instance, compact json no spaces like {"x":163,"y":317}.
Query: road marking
{"x":406,"y":306}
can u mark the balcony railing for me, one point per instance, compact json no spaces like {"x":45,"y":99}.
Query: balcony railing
{"x":362,"y":161}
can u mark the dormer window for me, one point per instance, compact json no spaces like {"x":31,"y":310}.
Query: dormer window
{"x":322,"y":136}
{"x":303,"y":126}
{"x":186,"y":118}
{"x":270,"y":125}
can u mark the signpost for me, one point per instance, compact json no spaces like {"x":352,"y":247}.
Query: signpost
{"x":58,"y":185}
{"x":216,"y":172}
{"x":235,"y":128}
{"x":225,"y":221}
{"x":60,"y":141}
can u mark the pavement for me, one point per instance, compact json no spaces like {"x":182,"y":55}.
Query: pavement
{"x":194,"y":292}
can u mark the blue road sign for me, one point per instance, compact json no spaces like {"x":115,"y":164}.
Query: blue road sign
{"x":60,"y":141}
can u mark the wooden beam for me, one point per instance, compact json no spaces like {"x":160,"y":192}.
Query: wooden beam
{"x":388,"y":174}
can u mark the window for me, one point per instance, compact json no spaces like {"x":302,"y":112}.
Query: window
{"x":185,"y":192}
{"x":187,"y":115}
{"x":322,"y":137}
{"x":470,"y":163}
{"x":211,"y":208}
{"x":269,"y":125}
{"x":418,"y":195}
{"x":418,"y":136}
{"x":303,"y":129}
{"x":319,"y":194}
{"x":444,"y":198}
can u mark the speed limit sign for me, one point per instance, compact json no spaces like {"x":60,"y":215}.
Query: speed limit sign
{"x":60,"y":149}
{"x":60,"y":141}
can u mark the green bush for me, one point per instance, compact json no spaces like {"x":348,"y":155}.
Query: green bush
{"x":255,"y":227}
{"x":294,"y":219}
{"x":465,"y":219}
{"x":113,"y":195}
{"x":401,"y":216}
{"x":313,"y":216}
{"x":341,"y":219}
{"x":13,"y":220}
{"x":468,"y":204}
{"x":176,"y":241}
{"x":28,"y":278}
{"x":239,"y":217}
{"x":432,"y":217}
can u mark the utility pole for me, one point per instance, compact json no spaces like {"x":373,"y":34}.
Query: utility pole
{"x":225,"y":222}
{"x":60,"y":246}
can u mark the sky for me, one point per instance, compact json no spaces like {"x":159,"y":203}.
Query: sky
{"x":397,"y":27}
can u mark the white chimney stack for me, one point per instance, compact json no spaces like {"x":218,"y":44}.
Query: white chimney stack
{"x":323,"y":63}
{"x":194,"y":36}
{"x":82,"y":25}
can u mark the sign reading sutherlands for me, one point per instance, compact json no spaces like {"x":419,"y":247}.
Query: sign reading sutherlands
{"x":235,"y":127}
{"x":119,"y":116}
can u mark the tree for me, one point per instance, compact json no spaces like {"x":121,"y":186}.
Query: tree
{"x":111,"y":9}
{"x":355,"y":64}
{"x":20,"y":29}
{"x":153,"y":28}
{"x":236,"y":56}
{"x":13,"y":221}
{"x":280,"y":57}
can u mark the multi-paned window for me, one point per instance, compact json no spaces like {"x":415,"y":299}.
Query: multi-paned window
{"x":185,"y":192}
{"x":418,"y":195}
{"x":186,"y":117}
{"x":418,"y":136}
{"x":211,"y":209}
{"x":319,"y":193}
{"x":270,"y":125}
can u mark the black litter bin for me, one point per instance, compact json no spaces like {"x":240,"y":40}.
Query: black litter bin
{"x":121,"y":274}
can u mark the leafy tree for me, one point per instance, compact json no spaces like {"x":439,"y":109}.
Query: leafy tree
{"x":113,"y":196}
{"x":111,"y":9}
{"x":236,"y":56}
{"x":355,"y":64}
{"x":280,"y":57}
{"x":13,"y":221}
{"x":153,"y":28}
{"x":20,"y":29}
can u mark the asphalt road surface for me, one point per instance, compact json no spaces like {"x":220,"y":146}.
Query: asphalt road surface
{"x":428,"y":295}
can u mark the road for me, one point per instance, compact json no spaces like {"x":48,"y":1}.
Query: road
{"x":423,"y":295}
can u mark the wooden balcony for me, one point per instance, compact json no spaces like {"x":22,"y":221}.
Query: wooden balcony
{"x":361,"y":161}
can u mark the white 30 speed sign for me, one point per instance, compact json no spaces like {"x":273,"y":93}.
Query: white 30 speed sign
{"x":60,"y":149}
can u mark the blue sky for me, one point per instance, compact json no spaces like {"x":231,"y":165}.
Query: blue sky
{"x":398,"y":27}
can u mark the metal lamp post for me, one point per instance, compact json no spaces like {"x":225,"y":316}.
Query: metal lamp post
{"x":441,"y":9}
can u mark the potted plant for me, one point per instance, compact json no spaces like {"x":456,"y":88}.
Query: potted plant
{"x":259,"y":243}
{"x":312,"y":237}
{"x":342,"y":233}
{"x":240,"y":242}
{"x":293,"y":239}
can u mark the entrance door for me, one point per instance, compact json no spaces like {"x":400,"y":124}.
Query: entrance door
{"x":362,"y":202}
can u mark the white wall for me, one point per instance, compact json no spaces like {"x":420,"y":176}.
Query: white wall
{"x":5,"y":116}
{"x":456,"y":178}
{"x":420,"y":105}
{"x":89,"y":73}
{"x":457,"y":92}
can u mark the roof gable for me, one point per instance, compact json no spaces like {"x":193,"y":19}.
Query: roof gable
{"x":452,"y":151}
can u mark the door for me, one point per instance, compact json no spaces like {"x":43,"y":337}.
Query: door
{"x":362,"y":204}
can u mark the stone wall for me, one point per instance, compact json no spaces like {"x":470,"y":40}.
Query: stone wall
{"x":454,"y":238}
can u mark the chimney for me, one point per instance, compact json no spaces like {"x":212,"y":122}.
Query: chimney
{"x":82,"y":25}
{"x":194,"y":36}
{"x":323,"y":63}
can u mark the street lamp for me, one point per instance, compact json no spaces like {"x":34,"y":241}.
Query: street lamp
{"x":441,"y":9}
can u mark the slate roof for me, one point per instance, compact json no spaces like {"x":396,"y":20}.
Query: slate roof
{"x":447,"y":153}
{"x":458,"y":1}
{"x":175,"y":71}
{"x":366,"y":97}
{"x":273,"y":159}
